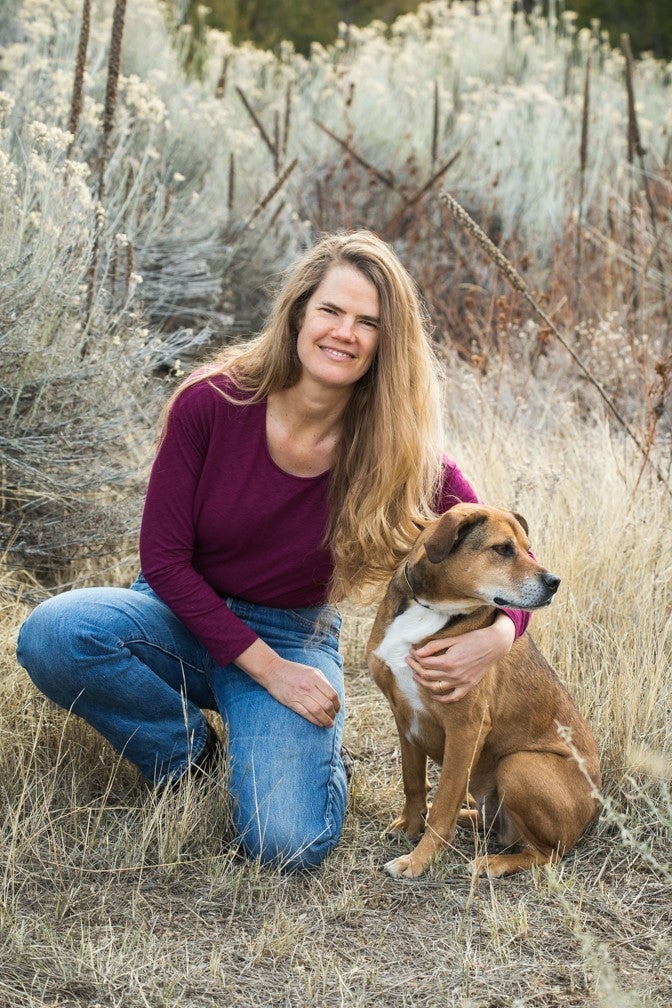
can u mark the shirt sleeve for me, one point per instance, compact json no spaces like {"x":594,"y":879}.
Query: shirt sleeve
{"x":456,"y":488}
{"x":167,"y":532}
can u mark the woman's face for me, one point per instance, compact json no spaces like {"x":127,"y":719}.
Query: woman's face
{"x":338,"y":337}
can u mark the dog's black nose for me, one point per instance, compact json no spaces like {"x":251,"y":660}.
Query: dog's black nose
{"x":552,"y":581}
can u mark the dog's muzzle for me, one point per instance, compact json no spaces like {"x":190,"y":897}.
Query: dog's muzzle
{"x":546,"y":587}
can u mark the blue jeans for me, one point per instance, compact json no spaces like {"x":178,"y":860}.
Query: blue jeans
{"x":121,"y":660}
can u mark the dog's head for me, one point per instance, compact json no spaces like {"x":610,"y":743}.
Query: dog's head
{"x":478,"y":555}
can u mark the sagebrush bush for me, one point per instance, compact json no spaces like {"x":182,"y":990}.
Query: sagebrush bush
{"x":213,"y":181}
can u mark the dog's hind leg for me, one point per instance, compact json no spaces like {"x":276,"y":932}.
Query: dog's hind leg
{"x":546,"y":804}
{"x":497,"y":865}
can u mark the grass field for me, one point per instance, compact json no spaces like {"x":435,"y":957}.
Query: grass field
{"x":112,"y":896}
{"x":140,"y":226}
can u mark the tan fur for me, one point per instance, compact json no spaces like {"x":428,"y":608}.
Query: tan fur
{"x":498,"y":746}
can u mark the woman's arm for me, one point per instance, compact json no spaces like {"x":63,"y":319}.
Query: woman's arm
{"x":451,"y":666}
{"x":167,"y":539}
{"x":167,"y":531}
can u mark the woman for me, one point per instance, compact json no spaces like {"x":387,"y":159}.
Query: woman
{"x":292,"y":471}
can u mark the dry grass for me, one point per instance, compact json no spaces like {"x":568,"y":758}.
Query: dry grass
{"x":112,"y":896}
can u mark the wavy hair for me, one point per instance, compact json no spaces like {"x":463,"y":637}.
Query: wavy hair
{"x":385,"y":478}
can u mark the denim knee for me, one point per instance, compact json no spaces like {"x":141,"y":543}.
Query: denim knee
{"x":290,"y":833}
{"x":60,"y":642}
{"x":88,"y":651}
{"x":42,"y":642}
{"x":289,"y":857}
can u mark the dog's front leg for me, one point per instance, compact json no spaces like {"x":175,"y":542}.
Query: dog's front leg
{"x":411,"y":821}
{"x":461,"y":753}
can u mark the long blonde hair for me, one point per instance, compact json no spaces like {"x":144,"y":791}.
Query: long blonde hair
{"x":385,"y":478}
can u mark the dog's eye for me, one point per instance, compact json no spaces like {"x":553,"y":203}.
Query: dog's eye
{"x":504,"y":549}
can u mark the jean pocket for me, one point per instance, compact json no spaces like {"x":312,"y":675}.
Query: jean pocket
{"x":321,"y":622}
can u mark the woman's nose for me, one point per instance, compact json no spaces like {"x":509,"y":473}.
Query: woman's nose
{"x":346,"y":327}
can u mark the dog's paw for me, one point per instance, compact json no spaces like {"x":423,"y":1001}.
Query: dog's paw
{"x":398,"y":833}
{"x":468,"y":818}
{"x":405,"y":826}
{"x":493,"y":866}
{"x":497,"y":865}
{"x":404,"y":867}
{"x":479,"y":867}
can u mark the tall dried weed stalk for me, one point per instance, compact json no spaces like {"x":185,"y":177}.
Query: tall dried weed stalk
{"x":636,"y":150}
{"x":507,"y":270}
{"x":581,"y":210}
{"x":77,"y":102}
{"x":111,"y":89}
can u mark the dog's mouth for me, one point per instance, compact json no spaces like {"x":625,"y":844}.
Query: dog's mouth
{"x":503,"y":603}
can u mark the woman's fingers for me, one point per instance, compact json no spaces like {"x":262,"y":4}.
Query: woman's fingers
{"x":439,"y":646}
{"x":447,"y":672}
{"x":306,"y":691}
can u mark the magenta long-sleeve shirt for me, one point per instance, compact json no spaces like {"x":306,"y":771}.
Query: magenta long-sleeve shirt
{"x":221,"y":518}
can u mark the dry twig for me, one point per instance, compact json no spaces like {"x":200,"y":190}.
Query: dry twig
{"x":583,"y":160}
{"x":635,"y":147}
{"x":507,"y":270}
{"x":275,"y":188}
{"x":383,"y":177}
{"x":258,"y":123}
{"x":113,"y":68}
{"x":412,"y":200}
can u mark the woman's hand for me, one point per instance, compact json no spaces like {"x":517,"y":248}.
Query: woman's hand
{"x":302,"y":688}
{"x":449,"y":667}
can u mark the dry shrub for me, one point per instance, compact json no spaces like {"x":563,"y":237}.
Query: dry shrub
{"x":201,"y":209}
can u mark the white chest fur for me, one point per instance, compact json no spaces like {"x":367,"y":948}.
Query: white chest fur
{"x":403,"y":633}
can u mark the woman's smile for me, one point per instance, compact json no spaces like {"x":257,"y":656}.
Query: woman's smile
{"x":336,"y":354}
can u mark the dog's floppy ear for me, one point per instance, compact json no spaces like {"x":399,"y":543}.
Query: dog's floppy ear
{"x":521,"y":521}
{"x":449,"y":533}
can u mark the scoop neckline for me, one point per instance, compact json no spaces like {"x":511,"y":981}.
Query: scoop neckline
{"x":276,"y":466}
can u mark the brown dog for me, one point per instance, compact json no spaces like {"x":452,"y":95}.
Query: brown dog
{"x":499,"y":745}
